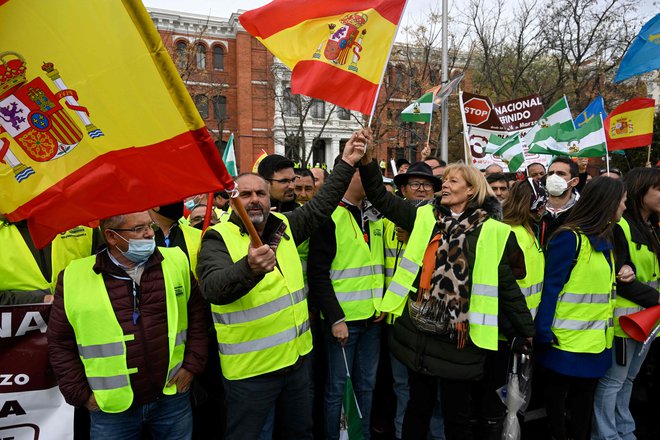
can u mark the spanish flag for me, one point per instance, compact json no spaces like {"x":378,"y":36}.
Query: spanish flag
{"x":337,"y":50}
{"x":630,"y":125}
{"x":94,"y":118}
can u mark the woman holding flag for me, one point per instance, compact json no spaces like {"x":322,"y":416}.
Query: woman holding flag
{"x":452,"y":281}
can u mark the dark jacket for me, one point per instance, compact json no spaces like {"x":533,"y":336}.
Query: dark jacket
{"x":434,"y":354}
{"x":224,"y":281}
{"x":148,"y":352}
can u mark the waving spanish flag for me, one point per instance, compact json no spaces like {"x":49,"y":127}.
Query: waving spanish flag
{"x":94,"y":118}
{"x":337,"y":50}
{"x":630,"y":125}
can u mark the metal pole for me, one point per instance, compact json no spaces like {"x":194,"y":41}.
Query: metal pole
{"x":444,"y":152}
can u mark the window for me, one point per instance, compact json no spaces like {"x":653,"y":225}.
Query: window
{"x":202,"y":104}
{"x":317,"y":109}
{"x":218,"y":58}
{"x":290,"y":103}
{"x":219,"y":107}
{"x":292,"y":147}
{"x":344,"y":114}
{"x":318,"y":152}
{"x":181,"y":54}
{"x":399,"y":75}
{"x":200,"y":56}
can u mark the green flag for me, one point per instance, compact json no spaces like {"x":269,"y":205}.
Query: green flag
{"x":229,"y":157}
{"x":587,"y":141}
{"x":420,"y":110}
{"x":351,"y":419}
{"x":558,"y":113}
{"x":510,"y":150}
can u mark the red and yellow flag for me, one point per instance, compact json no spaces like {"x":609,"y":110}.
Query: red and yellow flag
{"x":630,"y":125}
{"x":337,"y":50}
{"x":94,"y":118}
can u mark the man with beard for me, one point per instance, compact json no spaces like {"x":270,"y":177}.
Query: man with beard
{"x":259,"y":303}
{"x":278,"y":171}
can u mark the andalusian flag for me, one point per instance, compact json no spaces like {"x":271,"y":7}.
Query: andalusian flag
{"x":510,"y":150}
{"x":588,"y":141}
{"x":229,"y":157}
{"x":630,"y":125}
{"x":420,"y":110}
{"x":558,"y":113}
{"x":95,"y":119}
{"x":337,"y":50}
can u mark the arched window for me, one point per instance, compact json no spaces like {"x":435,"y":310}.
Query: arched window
{"x":219,"y":107}
{"x":218,"y":58}
{"x":200,"y":56}
{"x":202,"y":104}
{"x":181,"y":54}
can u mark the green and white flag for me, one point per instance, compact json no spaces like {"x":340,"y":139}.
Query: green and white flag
{"x":587,"y":141}
{"x":420,"y":110}
{"x":229,"y":157}
{"x":558,"y":113}
{"x":510,"y":150}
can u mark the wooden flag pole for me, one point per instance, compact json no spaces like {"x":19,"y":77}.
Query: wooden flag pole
{"x":648,"y":156}
{"x":240,"y":210}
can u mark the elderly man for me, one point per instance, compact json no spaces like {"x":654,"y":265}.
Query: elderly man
{"x":259,"y":303}
{"x":536,"y":171}
{"x":493,"y":168}
{"x":127,"y":333}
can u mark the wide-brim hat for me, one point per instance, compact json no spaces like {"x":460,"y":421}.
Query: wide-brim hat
{"x":418,"y":169}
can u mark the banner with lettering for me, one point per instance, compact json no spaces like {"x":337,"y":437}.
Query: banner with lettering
{"x":31,"y":406}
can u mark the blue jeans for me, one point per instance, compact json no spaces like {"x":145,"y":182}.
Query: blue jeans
{"x":362,"y":351}
{"x":167,"y":418}
{"x":402,"y":392}
{"x":251,"y":401}
{"x":612,"y":418}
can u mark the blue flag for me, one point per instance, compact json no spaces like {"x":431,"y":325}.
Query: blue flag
{"x":644,"y":52}
{"x":593,"y":109}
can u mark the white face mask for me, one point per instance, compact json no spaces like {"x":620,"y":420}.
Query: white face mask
{"x":556,"y":185}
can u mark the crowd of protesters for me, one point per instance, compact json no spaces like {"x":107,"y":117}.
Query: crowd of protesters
{"x":423,"y":289}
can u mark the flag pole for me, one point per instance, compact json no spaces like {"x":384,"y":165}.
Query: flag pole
{"x":466,"y":140}
{"x":382,"y":75}
{"x":444,"y":151}
{"x":648,"y":156}
{"x":607,"y":151}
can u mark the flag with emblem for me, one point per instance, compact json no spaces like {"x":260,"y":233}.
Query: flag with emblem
{"x":95,"y":120}
{"x":510,"y":150}
{"x":337,"y":50}
{"x":420,"y":110}
{"x":350,"y":421}
{"x":595,"y":109}
{"x":587,"y":141}
{"x":630,"y":124}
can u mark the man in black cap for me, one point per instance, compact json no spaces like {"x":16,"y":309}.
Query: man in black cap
{"x":278,"y":171}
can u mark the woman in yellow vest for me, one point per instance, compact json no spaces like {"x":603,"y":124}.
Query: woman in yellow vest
{"x":636,"y":241}
{"x":449,"y":307}
{"x":574,"y":323}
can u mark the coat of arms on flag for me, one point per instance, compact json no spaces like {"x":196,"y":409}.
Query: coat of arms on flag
{"x":33,"y":117}
{"x":348,"y":38}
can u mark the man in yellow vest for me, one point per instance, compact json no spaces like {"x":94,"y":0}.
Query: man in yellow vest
{"x":127,"y":333}
{"x":259,"y":304}
{"x":345,"y":275}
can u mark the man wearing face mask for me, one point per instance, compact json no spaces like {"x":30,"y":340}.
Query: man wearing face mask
{"x":127,"y":333}
{"x":563,"y":176}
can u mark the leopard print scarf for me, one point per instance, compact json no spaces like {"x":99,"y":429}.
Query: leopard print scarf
{"x":443,"y":301}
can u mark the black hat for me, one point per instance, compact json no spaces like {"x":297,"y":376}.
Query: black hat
{"x":418,"y":169}
{"x":400,"y":162}
{"x":272,"y":164}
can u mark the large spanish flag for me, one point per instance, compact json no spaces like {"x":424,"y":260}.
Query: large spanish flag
{"x":337,"y":50}
{"x":95,"y":120}
{"x":630,"y":125}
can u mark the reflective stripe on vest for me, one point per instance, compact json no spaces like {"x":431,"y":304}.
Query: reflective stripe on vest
{"x":646,"y":271}
{"x":393,"y":250}
{"x":532,"y":285}
{"x":19,"y":272}
{"x":100,"y":338}
{"x":357,"y":270}
{"x":266,"y":329}
{"x":403,"y":281}
{"x":583,"y":318}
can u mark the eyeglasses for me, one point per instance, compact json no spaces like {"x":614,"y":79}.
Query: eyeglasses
{"x":424,"y":185}
{"x":283,"y":181}
{"x":139,"y":229}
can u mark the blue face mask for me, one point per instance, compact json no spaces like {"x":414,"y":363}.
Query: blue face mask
{"x":190,"y":204}
{"x":139,"y":250}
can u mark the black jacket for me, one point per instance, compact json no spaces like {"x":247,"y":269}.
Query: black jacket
{"x":433,"y":354}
